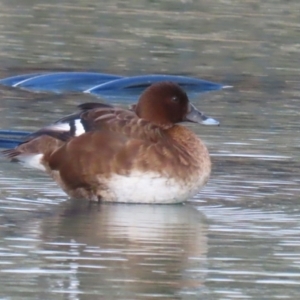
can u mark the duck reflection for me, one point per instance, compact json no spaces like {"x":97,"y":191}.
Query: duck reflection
{"x":121,"y":250}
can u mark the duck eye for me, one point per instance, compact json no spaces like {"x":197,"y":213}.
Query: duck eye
{"x":175,"y":99}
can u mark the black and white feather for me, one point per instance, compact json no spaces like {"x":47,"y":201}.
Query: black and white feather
{"x":70,"y":126}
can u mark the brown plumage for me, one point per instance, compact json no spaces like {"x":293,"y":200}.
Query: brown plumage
{"x":137,"y":155}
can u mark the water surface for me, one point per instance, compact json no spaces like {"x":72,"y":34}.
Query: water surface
{"x":239,"y":237}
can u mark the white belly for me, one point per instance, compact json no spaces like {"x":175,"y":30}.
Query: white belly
{"x":149,"y":188}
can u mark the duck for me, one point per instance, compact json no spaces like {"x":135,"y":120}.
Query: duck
{"x":143,"y":154}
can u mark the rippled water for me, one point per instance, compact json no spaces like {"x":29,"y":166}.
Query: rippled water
{"x":239,"y":237}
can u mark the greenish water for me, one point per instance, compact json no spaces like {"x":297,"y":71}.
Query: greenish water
{"x":239,"y":237}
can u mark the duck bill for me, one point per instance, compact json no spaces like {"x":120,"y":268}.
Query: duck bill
{"x":196,"y":116}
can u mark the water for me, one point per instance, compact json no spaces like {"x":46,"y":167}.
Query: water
{"x":239,"y":237}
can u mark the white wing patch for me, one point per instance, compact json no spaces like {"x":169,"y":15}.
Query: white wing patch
{"x":67,"y":127}
{"x":79,"y":129}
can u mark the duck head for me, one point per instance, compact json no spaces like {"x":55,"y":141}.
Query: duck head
{"x":166,"y":103}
